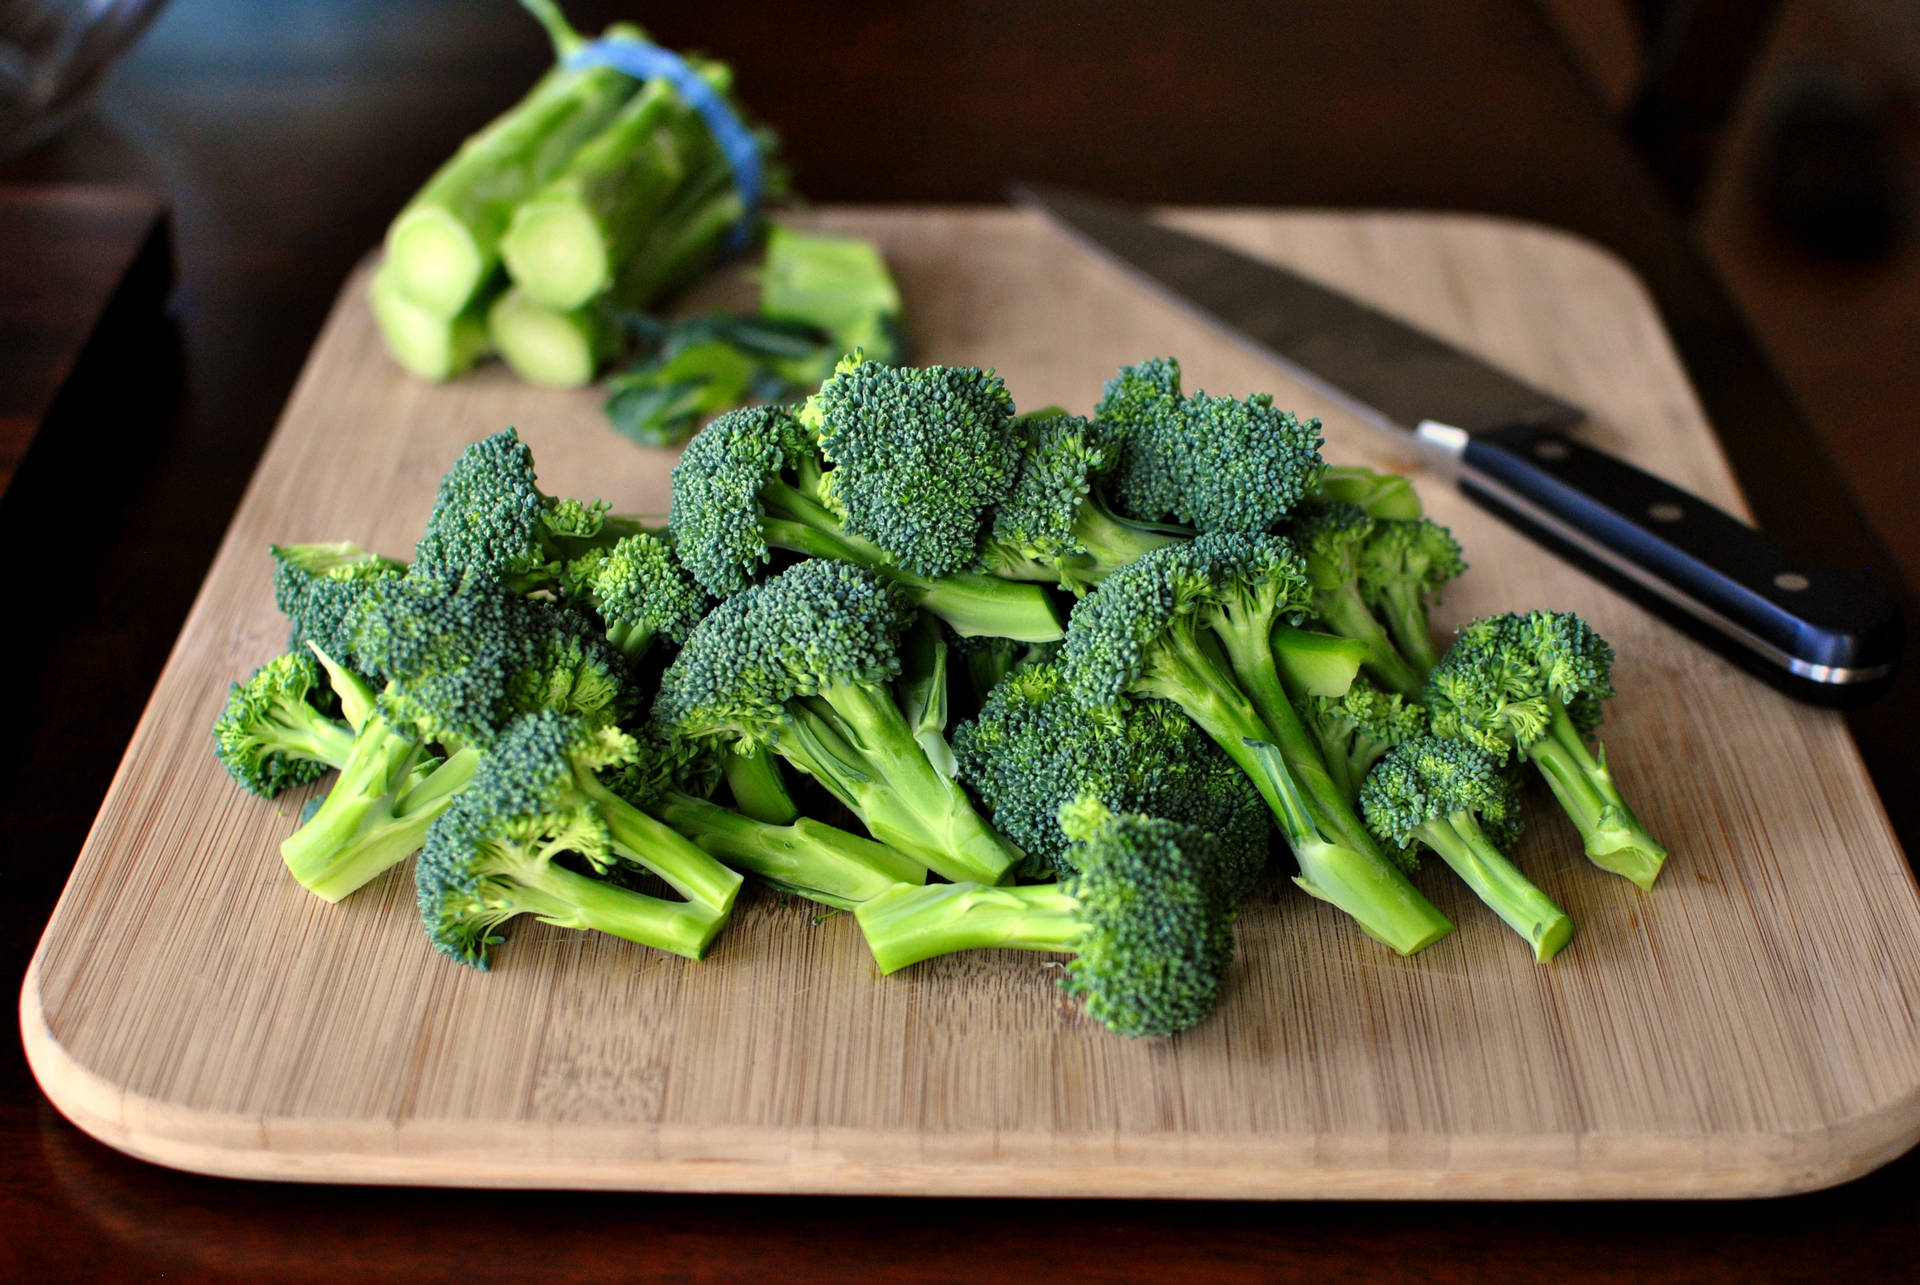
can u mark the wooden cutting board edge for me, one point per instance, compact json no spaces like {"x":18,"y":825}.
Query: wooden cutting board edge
{"x":857,"y":1161}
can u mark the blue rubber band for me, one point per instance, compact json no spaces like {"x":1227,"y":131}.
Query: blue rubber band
{"x":643,"y":61}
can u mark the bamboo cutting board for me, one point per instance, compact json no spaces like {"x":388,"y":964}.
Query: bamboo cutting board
{"x":1749,"y":1027}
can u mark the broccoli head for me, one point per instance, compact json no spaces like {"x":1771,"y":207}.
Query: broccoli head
{"x":316,"y":586}
{"x":273,"y":733}
{"x":1534,"y":685}
{"x":1212,"y":463}
{"x":1334,"y":538}
{"x":1358,"y":726}
{"x":640,"y":590}
{"x":1403,"y":567}
{"x":1146,"y":916}
{"x":1452,"y":797}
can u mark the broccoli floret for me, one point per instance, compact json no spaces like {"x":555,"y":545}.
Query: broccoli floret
{"x":1212,"y":463}
{"x":988,"y":661}
{"x":640,"y":590}
{"x":1534,"y":684}
{"x":494,"y":853}
{"x":759,"y":479}
{"x":805,"y":664}
{"x":1402,"y":567}
{"x":1333,"y":538}
{"x":491,"y":521}
{"x":1033,"y":749}
{"x":1193,"y":624}
{"x":317,"y":585}
{"x":272,"y":735}
{"x":1452,"y":797}
{"x":1146,"y":917}
{"x":1355,"y":728}
{"x":1054,"y":526}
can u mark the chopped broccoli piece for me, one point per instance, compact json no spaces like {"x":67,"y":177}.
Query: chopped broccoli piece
{"x":272,"y":734}
{"x":1402,"y":567}
{"x":316,"y":586}
{"x":1333,"y":538}
{"x":491,"y":521}
{"x":493,"y":854}
{"x":640,"y":590}
{"x":1357,"y":727}
{"x":1451,"y":796}
{"x":1145,"y":915}
{"x":805,"y":664}
{"x":1053,"y":526}
{"x":1194,"y":624}
{"x":1033,"y":749}
{"x":755,"y":480}
{"x":1382,"y":495}
{"x":1534,"y":684}
{"x":1212,"y":463}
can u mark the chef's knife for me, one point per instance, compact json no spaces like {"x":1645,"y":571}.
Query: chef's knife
{"x":1820,"y":631}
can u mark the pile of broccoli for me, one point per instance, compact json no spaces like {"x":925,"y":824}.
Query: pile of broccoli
{"x":984,"y":679}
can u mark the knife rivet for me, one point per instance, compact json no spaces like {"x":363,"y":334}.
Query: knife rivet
{"x":1791,"y":581}
{"x":1666,"y":512}
{"x":1550,"y":449}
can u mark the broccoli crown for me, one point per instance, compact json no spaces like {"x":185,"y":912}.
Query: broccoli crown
{"x":316,"y":586}
{"x":640,"y":587}
{"x":1365,"y":718}
{"x":1158,"y":936}
{"x":1431,"y":778}
{"x":1500,"y":682}
{"x":274,"y":707}
{"x":716,"y":512}
{"x":491,"y":520}
{"x":521,"y":809}
{"x":1032,"y":750}
{"x":1115,"y":632}
{"x":818,"y":624}
{"x":1214,"y":463}
{"x":1060,"y":457}
{"x":1332,"y":538}
{"x":463,"y":657}
{"x":919,"y":455}
{"x":1420,"y":553}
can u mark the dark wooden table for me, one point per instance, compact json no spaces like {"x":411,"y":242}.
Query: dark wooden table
{"x":285,"y":135}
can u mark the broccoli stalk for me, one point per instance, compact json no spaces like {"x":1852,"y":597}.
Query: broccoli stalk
{"x":424,"y":342}
{"x":1534,"y":684}
{"x":1382,"y":495}
{"x":1193,"y":624}
{"x":804,"y":664}
{"x":1146,"y":918}
{"x":806,"y":857}
{"x":1451,"y":796}
{"x":759,"y":791}
{"x":894,"y":469}
{"x":538,"y":796}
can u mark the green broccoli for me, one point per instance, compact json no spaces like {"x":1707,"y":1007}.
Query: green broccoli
{"x":1033,"y":749}
{"x":1193,"y":624}
{"x":1357,"y":727}
{"x":804,"y":664}
{"x":272,"y":735}
{"x":1534,"y":684}
{"x":494,"y":853}
{"x":640,"y":590}
{"x":1403,"y":565}
{"x":491,"y":520}
{"x":1452,"y":797}
{"x":1333,"y":538}
{"x":316,"y":586}
{"x":1053,"y":526}
{"x":1211,"y":463}
{"x":987,"y":661}
{"x":895,"y":469}
{"x":1382,"y":495}
{"x":1145,"y":915}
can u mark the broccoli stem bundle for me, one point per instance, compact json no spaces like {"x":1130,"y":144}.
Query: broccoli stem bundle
{"x":806,"y":857}
{"x":425,"y":342}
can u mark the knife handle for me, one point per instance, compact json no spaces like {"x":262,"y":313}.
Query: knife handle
{"x":1828,"y":627}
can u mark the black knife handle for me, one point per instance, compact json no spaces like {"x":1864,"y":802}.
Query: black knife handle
{"x":1826,"y":626}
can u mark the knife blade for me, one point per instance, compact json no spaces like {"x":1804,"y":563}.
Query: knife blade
{"x":1821,"y":633}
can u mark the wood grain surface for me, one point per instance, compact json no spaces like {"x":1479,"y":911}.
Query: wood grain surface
{"x":1747,"y":1028}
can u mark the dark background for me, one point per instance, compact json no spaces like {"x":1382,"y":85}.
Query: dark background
{"x":286,"y":134}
